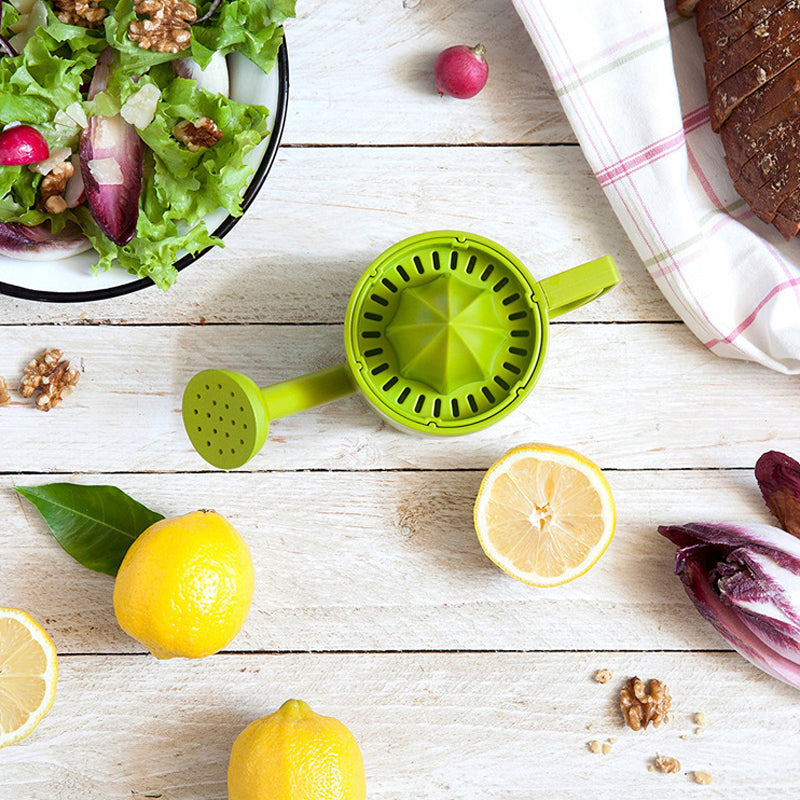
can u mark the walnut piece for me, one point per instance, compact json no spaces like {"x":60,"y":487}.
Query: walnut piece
{"x":167,"y":28}
{"x":594,"y":746}
{"x":80,"y":12}
{"x":53,"y":186}
{"x":667,"y":764}
{"x":5,"y":397}
{"x":51,"y":376}
{"x":702,"y":777}
{"x":700,"y":719}
{"x":642,"y":705}
{"x":197,"y":135}
{"x":603,"y":675}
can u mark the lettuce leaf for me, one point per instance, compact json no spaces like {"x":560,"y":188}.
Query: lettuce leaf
{"x":251,"y":27}
{"x":192,"y":184}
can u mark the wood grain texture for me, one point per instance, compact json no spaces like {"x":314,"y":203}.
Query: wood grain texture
{"x":363,"y":72}
{"x":494,"y":726}
{"x":390,"y":561}
{"x":602,"y":392}
{"x":325,"y":213}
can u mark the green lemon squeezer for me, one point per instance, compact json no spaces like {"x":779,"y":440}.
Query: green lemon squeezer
{"x":445,"y":333}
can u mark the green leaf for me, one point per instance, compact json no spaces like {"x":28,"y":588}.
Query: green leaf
{"x":95,"y":524}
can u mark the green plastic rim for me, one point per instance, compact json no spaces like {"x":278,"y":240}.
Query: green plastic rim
{"x":446,"y":332}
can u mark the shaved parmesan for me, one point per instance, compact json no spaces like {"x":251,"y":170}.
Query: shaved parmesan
{"x":106,"y":171}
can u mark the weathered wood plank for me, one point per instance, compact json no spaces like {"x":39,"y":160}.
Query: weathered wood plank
{"x":439,"y":726}
{"x":630,"y":396}
{"x":325,"y":213}
{"x":364,"y":73}
{"x":390,"y":561}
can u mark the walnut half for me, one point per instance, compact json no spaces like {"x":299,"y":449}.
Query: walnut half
{"x":50,"y":376}
{"x":167,"y":28}
{"x":641,"y":705}
{"x":5,"y":397}
{"x":53,"y":186}
{"x":85,"y":13}
{"x":198,"y":135}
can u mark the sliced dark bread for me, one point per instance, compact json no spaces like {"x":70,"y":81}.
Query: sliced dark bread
{"x":727,"y":96}
{"x":723,"y":32}
{"x":710,"y":10}
{"x":755,"y":123}
{"x":783,"y":23}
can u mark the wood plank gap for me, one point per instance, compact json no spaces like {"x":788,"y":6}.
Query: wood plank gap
{"x":421,"y":146}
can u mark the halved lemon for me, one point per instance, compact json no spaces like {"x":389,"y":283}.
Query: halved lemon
{"x":544,"y":514}
{"x":28,"y":675}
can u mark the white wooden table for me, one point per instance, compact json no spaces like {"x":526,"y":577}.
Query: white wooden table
{"x":374,"y":601}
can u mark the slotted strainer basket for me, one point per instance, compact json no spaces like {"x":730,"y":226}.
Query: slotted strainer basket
{"x":445,"y":333}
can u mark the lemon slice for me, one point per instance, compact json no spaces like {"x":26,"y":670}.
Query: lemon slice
{"x":28,"y":674}
{"x":544,"y":514}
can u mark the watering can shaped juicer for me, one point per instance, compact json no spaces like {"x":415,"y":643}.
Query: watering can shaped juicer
{"x":445,"y":333}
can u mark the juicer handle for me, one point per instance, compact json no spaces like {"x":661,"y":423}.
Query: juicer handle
{"x":580,"y":285}
{"x":307,"y":391}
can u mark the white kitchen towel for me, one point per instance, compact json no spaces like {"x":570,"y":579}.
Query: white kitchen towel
{"x":630,"y":77}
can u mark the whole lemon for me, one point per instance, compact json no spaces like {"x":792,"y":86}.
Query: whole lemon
{"x":185,"y":586}
{"x":295,"y":754}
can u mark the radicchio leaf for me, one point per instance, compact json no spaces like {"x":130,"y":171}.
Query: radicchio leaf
{"x":35,"y":242}
{"x":778,"y":477}
{"x":114,"y":203}
{"x":745,"y":580}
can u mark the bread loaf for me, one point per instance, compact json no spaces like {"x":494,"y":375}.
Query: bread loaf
{"x":752,"y":67}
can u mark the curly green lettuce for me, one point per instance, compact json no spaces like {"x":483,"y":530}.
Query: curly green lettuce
{"x":180,"y":187}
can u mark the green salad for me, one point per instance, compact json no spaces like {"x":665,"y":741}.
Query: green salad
{"x":131,"y":99}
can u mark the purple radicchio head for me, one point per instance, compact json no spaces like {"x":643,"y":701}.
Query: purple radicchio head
{"x":778,"y":477}
{"x":745,"y":580}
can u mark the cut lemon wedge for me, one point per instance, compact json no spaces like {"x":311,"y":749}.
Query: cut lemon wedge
{"x":28,"y":675}
{"x":544,"y":514}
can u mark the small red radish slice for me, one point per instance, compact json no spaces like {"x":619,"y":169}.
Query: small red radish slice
{"x":75,"y":194}
{"x":37,"y":242}
{"x":22,"y":144}
{"x":214,"y":78}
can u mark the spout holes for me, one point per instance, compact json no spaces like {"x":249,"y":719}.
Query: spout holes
{"x":471,"y":264}
{"x":453,"y":259}
{"x":454,"y":407}
{"x":379,"y":300}
{"x":487,"y":394}
{"x":371,"y":334}
{"x":437,"y":407}
{"x":517,"y":351}
{"x":520,"y":334}
{"x":374,"y":317}
{"x":511,"y":368}
{"x":510,"y":299}
{"x":389,"y":285}
{"x":435,"y":259}
{"x":380,"y":368}
{"x":472,"y":404}
{"x":388,"y":385}
{"x":487,"y":272}
{"x":402,"y":273}
{"x":418,"y":264}
{"x":401,"y":398}
{"x":420,"y":402}
{"x":375,"y":351}
{"x":500,"y":382}
{"x":518,"y":315}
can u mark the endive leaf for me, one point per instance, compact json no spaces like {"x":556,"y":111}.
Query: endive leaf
{"x":95,"y":524}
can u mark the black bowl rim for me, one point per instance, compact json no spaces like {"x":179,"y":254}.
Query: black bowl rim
{"x":253,"y":188}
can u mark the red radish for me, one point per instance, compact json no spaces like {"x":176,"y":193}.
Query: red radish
{"x":22,"y":144}
{"x":461,"y":71}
